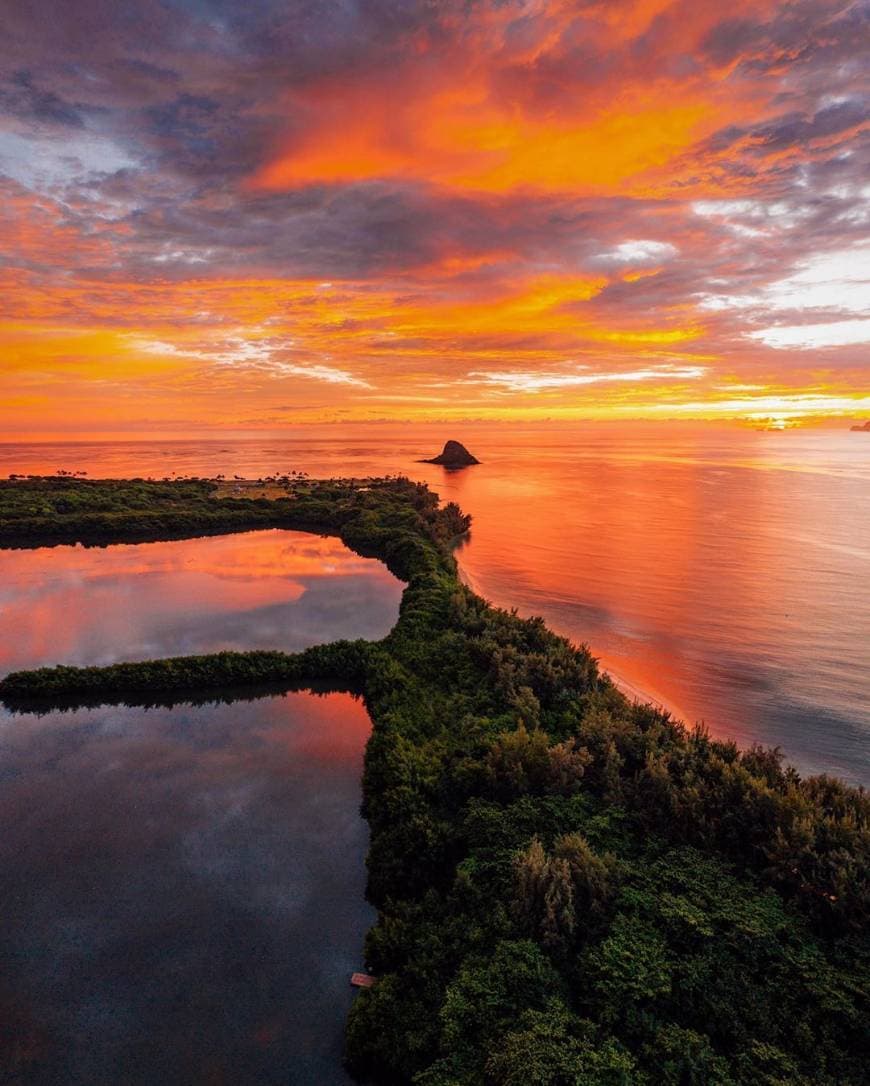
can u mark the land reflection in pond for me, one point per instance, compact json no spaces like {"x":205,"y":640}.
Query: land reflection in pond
{"x":184,"y":891}
{"x":267,"y":589}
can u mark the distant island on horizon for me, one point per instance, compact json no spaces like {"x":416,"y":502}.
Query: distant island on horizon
{"x":453,"y":455}
{"x":863,"y":429}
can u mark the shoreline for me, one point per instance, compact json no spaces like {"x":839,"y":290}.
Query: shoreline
{"x":637,"y":694}
{"x":641,"y":696}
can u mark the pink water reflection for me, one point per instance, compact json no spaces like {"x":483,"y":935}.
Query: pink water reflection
{"x":268,"y":589}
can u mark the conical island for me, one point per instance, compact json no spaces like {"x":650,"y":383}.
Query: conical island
{"x":453,"y":455}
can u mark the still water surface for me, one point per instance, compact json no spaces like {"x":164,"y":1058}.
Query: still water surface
{"x":183,"y":888}
{"x":724,"y":573}
{"x":256,"y":590}
{"x":182,"y":892}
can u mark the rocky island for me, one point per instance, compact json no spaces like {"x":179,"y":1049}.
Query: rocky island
{"x":864,"y":429}
{"x":453,"y":455}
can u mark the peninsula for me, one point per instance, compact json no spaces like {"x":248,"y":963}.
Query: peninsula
{"x":571,"y":888}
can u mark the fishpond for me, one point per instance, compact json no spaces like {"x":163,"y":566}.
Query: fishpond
{"x":183,"y":892}
{"x":254,"y":590}
{"x":183,"y":887}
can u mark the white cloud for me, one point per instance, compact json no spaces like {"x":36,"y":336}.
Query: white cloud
{"x":753,"y":218}
{"x":317,"y":372}
{"x":253,"y":354}
{"x":838,"y":280}
{"x":531,"y":381}
{"x":169,"y":255}
{"x":638,"y":252}
{"x":827,"y":284}
{"x":41,"y":162}
{"x":809,"y":336}
{"x":723,"y":208}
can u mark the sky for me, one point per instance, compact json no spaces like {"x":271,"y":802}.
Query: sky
{"x":218,"y":215}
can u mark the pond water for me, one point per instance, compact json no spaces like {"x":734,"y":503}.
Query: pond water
{"x":255,"y":590}
{"x":183,"y":888}
{"x":183,"y":892}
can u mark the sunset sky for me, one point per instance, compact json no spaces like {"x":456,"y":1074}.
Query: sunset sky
{"x":226,"y":215}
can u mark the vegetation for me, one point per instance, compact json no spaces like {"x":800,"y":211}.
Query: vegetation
{"x":572,"y":889}
{"x":343,"y":662}
{"x":46,"y":511}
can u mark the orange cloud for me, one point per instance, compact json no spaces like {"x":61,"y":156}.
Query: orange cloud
{"x":466,"y":141}
{"x":492,"y":209}
{"x":513,"y":110}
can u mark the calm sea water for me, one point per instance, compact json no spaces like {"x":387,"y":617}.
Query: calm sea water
{"x":724,"y":573}
{"x":182,"y":892}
